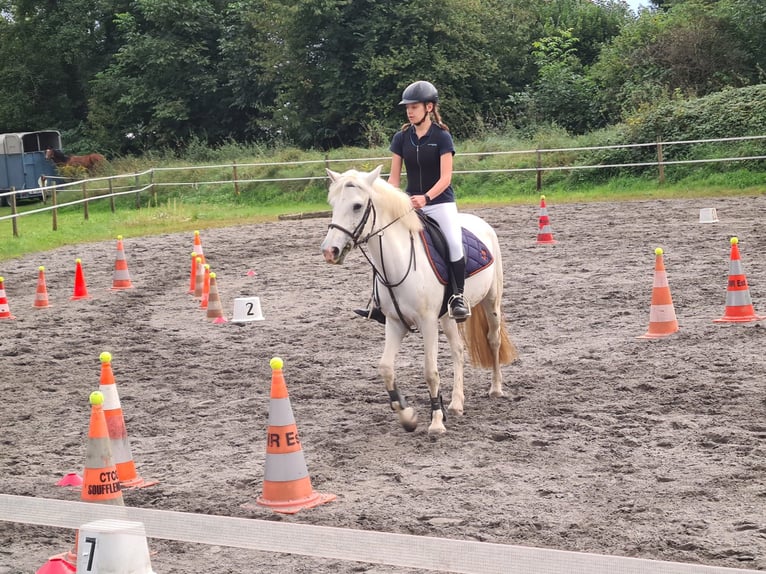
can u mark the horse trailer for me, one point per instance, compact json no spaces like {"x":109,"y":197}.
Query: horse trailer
{"x":23,"y":165}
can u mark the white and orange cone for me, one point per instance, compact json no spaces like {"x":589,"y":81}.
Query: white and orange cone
{"x":205,"y":287}
{"x":662,"y":314}
{"x":198,"y":246}
{"x":121,"y":275}
{"x":214,"y":307}
{"x":5,"y":309}
{"x":193,"y":273}
{"x":118,"y":434}
{"x":544,"y":233}
{"x":199,"y":278}
{"x":739,"y":306}
{"x":286,"y":481}
{"x":41,"y":294}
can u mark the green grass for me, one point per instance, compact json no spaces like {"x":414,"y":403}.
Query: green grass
{"x":182,"y":201}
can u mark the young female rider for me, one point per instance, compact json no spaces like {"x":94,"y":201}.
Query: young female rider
{"x":425,"y":146}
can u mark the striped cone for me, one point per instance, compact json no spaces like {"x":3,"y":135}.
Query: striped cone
{"x":80,"y":288}
{"x":214,"y":307}
{"x":100,"y":480}
{"x":199,"y":278}
{"x":205,"y":287}
{"x":5,"y":310}
{"x":198,"y":246}
{"x":286,"y":482}
{"x":118,"y":434}
{"x":739,"y":307}
{"x":544,"y":233}
{"x":41,"y":295}
{"x":121,"y":276}
{"x":662,"y":314}
{"x":193,"y":273}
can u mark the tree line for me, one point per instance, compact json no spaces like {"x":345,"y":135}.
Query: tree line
{"x":128,"y":76}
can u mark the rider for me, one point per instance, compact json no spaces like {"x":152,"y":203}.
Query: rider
{"x":425,"y":146}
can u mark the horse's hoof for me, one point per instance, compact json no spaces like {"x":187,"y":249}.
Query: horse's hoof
{"x":496,"y":394}
{"x":458,"y":412}
{"x":409,"y":419}
{"x":436,"y":431}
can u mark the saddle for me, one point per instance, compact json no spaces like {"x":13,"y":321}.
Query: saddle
{"x":477,"y":256}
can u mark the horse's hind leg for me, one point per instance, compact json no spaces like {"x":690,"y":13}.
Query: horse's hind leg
{"x":395,"y":333}
{"x":494,"y":325}
{"x":430,"y":332}
{"x":457,"y":348}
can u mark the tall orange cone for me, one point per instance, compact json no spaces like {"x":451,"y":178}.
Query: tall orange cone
{"x":41,"y":295}
{"x":121,"y":276}
{"x":193,"y":273}
{"x":205,"y":287}
{"x":101,"y":483}
{"x":5,"y":309}
{"x":544,"y":233}
{"x":198,"y":246}
{"x":662,"y":314}
{"x":199,"y":278}
{"x":80,"y":288}
{"x":214,"y":307}
{"x":739,"y":306}
{"x":286,"y":481}
{"x":118,"y":434}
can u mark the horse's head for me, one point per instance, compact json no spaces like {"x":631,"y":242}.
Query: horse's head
{"x":49,"y":153}
{"x":350,"y":196}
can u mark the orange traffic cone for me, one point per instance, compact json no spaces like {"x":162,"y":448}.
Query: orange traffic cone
{"x":286,"y":481}
{"x":544,"y":233}
{"x":193,"y":273}
{"x":101,"y":483}
{"x":80,"y":289}
{"x":118,"y":434}
{"x":205,"y":287}
{"x":121,"y":276}
{"x":739,"y":307}
{"x":214,"y":307}
{"x":199,"y":278}
{"x":5,"y":310}
{"x":662,"y":314}
{"x":198,"y":246}
{"x":41,"y":295}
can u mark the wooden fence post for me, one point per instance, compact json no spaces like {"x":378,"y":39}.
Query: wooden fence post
{"x":54,"y":211}
{"x":153,"y":189}
{"x":659,"y":162}
{"x":236,"y":183}
{"x":85,"y":204}
{"x":138,"y":192}
{"x":111,"y":195}
{"x":539,"y":170}
{"x":14,"y":221}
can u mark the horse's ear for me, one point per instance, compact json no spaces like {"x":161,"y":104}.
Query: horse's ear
{"x":333,"y":175}
{"x":373,"y":175}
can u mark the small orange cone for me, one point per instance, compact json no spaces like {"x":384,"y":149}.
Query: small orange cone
{"x":662,"y":314}
{"x":121,"y":276}
{"x":214,"y":307}
{"x":198,"y":246}
{"x":41,"y":295}
{"x":199,"y":278}
{"x":5,"y":310}
{"x":544,"y":233}
{"x":205,"y":288}
{"x":286,"y":481}
{"x":101,"y":482}
{"x":118,"y":434}
{"x":80,"y":288}
{"x":193,"y":272}
{"x":739,"y":306}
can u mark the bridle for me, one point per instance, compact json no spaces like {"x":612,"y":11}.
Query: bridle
{"x":358,"y":241}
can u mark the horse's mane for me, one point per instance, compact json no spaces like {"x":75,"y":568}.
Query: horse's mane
{"x":390,"y":202}
{"x":57,"y":155}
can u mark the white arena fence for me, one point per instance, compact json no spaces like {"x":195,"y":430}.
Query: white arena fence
{"x":136,"y":184}
{"x":400,"y":550}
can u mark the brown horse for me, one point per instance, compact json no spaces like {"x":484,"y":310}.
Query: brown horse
{"x":88,"y":162}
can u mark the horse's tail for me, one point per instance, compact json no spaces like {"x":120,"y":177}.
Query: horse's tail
{"x":476,"y":333}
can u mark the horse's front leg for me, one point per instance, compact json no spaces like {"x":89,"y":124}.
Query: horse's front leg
{"x":395,"y":333}
{"x":457,"y":349}
{"x":430,"y":332}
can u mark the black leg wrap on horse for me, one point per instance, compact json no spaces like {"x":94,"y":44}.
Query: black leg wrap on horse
{"x":437,"y":404}
{"x":397,"y":397}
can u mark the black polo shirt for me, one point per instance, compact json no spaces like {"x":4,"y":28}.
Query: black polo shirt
{"x":422,"y":159}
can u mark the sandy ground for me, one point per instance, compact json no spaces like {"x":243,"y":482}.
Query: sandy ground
{"x":605,"y":443}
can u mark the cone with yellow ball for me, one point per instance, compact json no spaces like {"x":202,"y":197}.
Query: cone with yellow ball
{"x":286,"y":481}
{"x":214,"y":307}
{"x":544,"y":233}
{"x":739,"y":306}
{"x":41,"y":294}
{"x":80,"y":288}
{"x":662,"y":314}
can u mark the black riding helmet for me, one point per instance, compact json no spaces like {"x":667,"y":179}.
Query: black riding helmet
{"x":420,"y":91}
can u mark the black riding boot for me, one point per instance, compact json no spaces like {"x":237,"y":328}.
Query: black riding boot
{"x":458,"y":307}
{"x":373,"y":313}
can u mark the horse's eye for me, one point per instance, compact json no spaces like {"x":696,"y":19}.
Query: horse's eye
{"x":358,"y":206}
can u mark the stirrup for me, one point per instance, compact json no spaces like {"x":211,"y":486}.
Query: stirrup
{"x":462,"y":312}
{"x":373,"y":313}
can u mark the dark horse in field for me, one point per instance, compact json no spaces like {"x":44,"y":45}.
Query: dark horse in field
{"x":88,"y":162}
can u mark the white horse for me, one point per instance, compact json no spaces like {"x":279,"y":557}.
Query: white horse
{"x":369,"y":212}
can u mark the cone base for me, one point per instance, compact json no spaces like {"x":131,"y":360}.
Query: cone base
{"x":120,"y":287}
{"x":292,"y":506}
{"x":7,"y":317}
{"x":76,"y":297}
{"x":219,"y":320}
{"x":656,"y":335}
{"x":546,"y":241}
{"x":41,"y":306}
{"x":137,"y":482}
{"x":734,"y":319}
{"x":65,"y":563}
